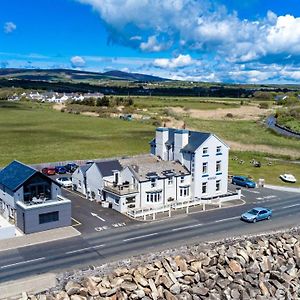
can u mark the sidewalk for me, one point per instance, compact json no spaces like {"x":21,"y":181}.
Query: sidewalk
{"x":191,"y":210}
{"x":33,"y":284}
{"x":282,"y":188}
{"x":38,"y":238}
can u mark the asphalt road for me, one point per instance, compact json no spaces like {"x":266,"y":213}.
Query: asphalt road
{"x":138,"y":238}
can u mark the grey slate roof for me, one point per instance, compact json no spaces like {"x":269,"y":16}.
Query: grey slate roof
{"x":15,"y":174}
{"x":196,"y":139}
{"x":106,"y":167}
{"x":84,"y":168}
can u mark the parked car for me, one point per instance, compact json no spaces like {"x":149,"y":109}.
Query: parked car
{"x":288,"y":178}
{"x":60,"y":170}
{"x":64,"y":181}
{"x":243,"y":181}
{"x":48,"y":171}
{"x":257,"y":214}
{"x":71,"y":167}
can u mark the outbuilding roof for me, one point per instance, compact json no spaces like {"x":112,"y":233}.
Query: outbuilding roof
{"x":106,"y":168}
{"x":15,"y":174}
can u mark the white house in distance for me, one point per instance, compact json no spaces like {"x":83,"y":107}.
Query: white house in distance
{"x":79,"y":179}
{"x":203,"y":154}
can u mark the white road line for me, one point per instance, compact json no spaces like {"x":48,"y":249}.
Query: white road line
{"x":140,"y":237}
{"x":23,"y":262}
{"x":98,"y":217}
{"x":288,"y":206}
{"x":222,"y":220}
{"x":84,"y":249}
{"x":186,"y":227}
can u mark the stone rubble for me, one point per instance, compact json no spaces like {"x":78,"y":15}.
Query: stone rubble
{"x":261,"y":267}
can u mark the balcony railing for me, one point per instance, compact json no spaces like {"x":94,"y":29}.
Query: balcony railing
{"x":120,"y":189}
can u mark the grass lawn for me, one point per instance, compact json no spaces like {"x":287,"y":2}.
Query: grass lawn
{"x":185,"y":102}
{"x":269,"y":172}
{"x":244,"y":132}
{"x":34,"y":133}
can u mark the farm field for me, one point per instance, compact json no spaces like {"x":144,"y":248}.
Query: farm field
{"x":33,"y":133}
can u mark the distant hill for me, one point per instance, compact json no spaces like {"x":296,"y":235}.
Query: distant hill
{"x":75,"y":75}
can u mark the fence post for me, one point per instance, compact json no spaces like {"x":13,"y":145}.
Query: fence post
{"x":203,"y":206}
{"x":153,"y":215}
{"x":170,"y":212}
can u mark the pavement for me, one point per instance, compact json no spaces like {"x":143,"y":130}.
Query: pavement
{"x":38,"y":238}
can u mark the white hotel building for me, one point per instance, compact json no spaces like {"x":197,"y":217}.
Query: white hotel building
{"x":183,"y":165}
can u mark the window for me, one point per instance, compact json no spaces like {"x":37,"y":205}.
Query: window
{"x":99,"y":192}
{"x":218,"y":185}
{"x":204,"y":187}
{"x":204,"y":167}
{"x":153,"y":182}
{"x":170,"y":180}
{"x":182,"y":179}
{"x":79,"y":184}
{"x":205,"y":151}
{"x":218,"y":166}
{"x":184,"y":191}
{"x":154,"y":197}
{"x":219,"y":149}
{"x":117,"y":201}
{"x":48,"y":217}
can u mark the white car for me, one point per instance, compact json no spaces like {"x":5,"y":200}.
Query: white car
{"x":288,"y":178}
{"x":65,"y":181}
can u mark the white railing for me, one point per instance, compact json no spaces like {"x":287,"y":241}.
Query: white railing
{"x":150,"y":211}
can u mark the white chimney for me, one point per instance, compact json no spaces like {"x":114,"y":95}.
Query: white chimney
{"x":161,"y":137}
{"x":181,"y":139}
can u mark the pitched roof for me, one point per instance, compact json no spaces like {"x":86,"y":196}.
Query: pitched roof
{"x":196,"y":139}
{"x":15,"y":174}
{"x":84,"y":168}
{"x":106,"y":167}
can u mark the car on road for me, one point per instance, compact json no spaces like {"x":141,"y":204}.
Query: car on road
{"x":48,"y":171}
{"x":60,"y":170}
{"x":64,"y":181}
{"x":71,"y":167}
{"x":243,"y":181}
{"x":257,"y":214}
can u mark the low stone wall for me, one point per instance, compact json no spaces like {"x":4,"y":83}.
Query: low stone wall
{"x":259,"y":267}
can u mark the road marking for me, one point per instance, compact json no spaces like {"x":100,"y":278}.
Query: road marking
{"x":140,"y":237}
{"x":291,"y":205}
{"x":232,"y":218}
{"x":101,"y":228}
{"x":77,"y":222}
{"x":186,"y":227}
{"x":254,"y":192}
{"x":95,"y":215}
{"x":84,"y":249}
{"x":23,"y":262}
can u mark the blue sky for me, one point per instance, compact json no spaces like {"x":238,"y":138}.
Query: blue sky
{"x":255,"y":41}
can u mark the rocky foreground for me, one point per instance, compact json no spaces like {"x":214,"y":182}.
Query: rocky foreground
{"x":263,"y":267}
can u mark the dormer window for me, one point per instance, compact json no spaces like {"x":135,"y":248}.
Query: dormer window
{"x":153,"y":182}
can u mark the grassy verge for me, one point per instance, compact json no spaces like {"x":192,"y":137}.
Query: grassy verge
{"x":269,"y":172}
{"x":35,"y":133}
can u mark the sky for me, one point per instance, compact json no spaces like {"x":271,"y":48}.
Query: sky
{"x":234,"y":41}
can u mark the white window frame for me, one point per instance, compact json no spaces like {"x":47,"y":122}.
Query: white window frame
{"x":170,"y":180}
{"x":219,"y":149}
{"x":204,"y":185}
{"x":218,"y":185}
{"x":205,"y":167}
{"x":205,"y":151}
{"x":218,"y":166}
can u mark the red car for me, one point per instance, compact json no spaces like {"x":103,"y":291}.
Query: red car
{"x":48,"y":171}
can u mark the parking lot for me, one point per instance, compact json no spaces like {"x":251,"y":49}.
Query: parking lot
{"x":90,"y":217}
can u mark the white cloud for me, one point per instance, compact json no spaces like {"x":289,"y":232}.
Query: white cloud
{"x":177,"y":62}
{"x":152,"y":45}
{"x":77,"y":62}
{"x":9,"y":27}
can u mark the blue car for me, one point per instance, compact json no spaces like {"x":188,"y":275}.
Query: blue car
{"x":257,"y":214}
{"x":243,"y":181}
{"x":60,"y":170}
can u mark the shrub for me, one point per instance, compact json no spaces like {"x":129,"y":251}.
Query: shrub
{"x":229,"y":115}
{"x":264,"y":105}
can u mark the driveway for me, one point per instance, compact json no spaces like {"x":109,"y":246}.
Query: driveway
{"x":90,"y":217}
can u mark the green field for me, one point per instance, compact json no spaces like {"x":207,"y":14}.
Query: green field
{"x":35,"y":133}
{"x":184,"y":102}
{"x":246,"y":133}
{"x":270,"y":172}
